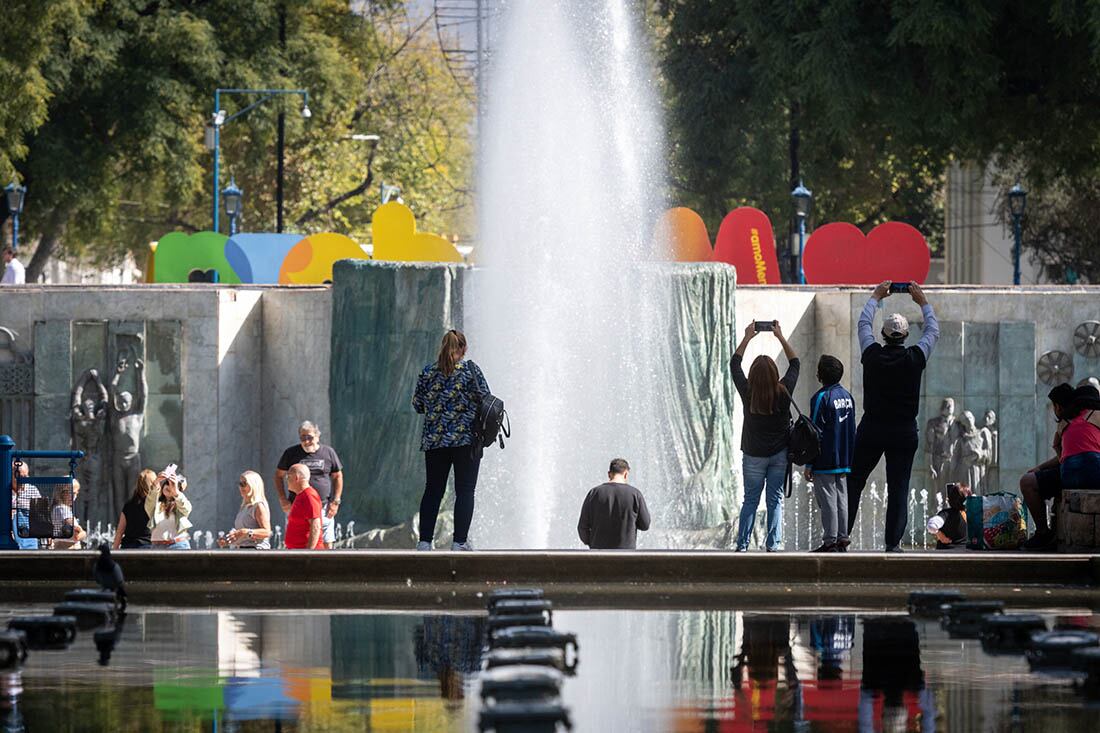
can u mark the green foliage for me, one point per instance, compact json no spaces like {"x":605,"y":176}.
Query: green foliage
{"x":110,"y":143}
{"x":883,"y":95}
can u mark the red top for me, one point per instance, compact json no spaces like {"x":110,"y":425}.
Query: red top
{"x":306,"y":506}
{"x":1080,"y":436}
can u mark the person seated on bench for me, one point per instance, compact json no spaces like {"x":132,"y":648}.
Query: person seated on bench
{"x":1081,"y":441}
{"x":1045,"y":480}
{"x":949,"y":524}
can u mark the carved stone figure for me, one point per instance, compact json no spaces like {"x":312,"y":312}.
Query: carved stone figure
{"x":127,"y":423}
{"x":939,"y":440}
{"x":88,"y":416}
{"x":990,"y":443}
{"x":967,"y":454}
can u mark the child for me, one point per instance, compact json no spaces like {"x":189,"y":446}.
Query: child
{"x":949,"y":524}
{"x":833,"y":411}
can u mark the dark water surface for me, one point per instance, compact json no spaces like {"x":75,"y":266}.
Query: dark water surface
{"x":638,"y":671}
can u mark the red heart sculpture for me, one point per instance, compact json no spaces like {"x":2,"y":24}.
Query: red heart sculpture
{"x":840,"y":254}
{"x":746,"y":241}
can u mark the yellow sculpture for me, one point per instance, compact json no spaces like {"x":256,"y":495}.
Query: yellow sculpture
{"x":396,"y":239}
{"x":310,"y":261}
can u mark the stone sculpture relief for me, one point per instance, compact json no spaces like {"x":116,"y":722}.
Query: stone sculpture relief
{"x":967,"y":456}
{"x":939,"y":439}
{"x":88,"y":417}
{"x":990,"y":444}
{"x":127,"y":417}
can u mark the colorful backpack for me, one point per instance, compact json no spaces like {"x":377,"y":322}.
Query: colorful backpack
{"x":995,"y":522}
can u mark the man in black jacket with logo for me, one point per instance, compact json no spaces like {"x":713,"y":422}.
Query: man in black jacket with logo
{"x":891,"y":399}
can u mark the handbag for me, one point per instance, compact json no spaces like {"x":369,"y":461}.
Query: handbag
{"x":995,"y":521}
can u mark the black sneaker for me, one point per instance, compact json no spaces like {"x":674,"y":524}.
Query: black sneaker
{"x":842,"y":545}
{"x":1041,"y":542}
{"x":827,"y":547}
{"x":895,"y":548}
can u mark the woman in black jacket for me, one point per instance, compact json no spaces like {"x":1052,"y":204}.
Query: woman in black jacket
{"x":766,"y":400}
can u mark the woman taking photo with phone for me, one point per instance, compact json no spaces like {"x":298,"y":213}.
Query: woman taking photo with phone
{"x":766,"y":400}
{"x":448,"y":393}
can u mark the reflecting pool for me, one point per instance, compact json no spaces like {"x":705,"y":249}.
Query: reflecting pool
{"x":638,"y":671}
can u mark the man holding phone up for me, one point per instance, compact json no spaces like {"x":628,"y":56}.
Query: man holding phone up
{"x":891,"y":399}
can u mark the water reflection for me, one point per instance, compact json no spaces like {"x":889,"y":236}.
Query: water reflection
{"x":641,"y":671}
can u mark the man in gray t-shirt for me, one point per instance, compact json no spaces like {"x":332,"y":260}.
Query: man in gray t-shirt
{"x":613,"y":512}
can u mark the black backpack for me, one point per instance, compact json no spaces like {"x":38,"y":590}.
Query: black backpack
{"x":803,"y":445}
{"x":492,"y":424}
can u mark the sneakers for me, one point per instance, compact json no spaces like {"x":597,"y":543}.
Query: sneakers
{"x":827,"y":547}
{"x":1041,"y":542}
{"x":466,"y":546}
{"x":895,"y":548}
{"x":842,"y":544}
{"x":423,"y":546}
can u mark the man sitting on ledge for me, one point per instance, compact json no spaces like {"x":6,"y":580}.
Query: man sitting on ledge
{"x":613,"y":512}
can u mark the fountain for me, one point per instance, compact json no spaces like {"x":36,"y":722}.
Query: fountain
{"x":564,"y":317}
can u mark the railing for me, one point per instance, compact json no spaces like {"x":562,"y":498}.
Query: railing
{"x":8,"y":455}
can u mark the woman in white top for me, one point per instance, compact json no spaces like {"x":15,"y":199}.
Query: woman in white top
{"x":64,"y":499}
{"x":252,"y":527}
{"x":168,"y":509}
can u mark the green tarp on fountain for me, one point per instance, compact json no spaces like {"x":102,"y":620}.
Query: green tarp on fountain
{"x":387,"y":322}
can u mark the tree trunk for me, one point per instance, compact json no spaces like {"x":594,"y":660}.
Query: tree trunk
{"x":47,"y":243}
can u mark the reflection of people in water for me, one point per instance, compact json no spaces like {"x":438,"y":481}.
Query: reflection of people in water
{"x":765,"y":644}
{"x":831,"y":638}
{"x":891,"y":666}
{"x":447,"y":647}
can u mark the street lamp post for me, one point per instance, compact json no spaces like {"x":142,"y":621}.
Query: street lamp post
{"x":1017,"y":202}
{"x":220,"y":119}
{"x":803,"y":200}
{"x":232,"y":196}
{"x":15,"y":194}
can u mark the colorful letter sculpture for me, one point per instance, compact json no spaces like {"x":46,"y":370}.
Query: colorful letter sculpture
{"x":293,"y":258}
{"x":840,"y":254}
{"x":682,"y":236}
{"x":746,"y":241}
{"x":393,"y":229}
{"x":179,"y":253}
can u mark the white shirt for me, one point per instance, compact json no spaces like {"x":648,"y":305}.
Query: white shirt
{"x":14,"y":273}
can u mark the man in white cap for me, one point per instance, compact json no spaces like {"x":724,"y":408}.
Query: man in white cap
{"x":891,"y":399}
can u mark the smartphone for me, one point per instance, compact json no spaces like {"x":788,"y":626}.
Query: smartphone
{"x":899,"y":287}
{"x":764,"y":326}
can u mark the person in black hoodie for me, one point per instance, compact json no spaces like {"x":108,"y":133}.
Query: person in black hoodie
{"x":765,"y":433}
{"x":833,"y":411}
{"x":891,"y":399}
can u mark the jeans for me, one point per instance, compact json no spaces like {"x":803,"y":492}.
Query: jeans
{"x":437,"y":467}
{"x":763,"y":475}
{"x":831,"y":492}
{"x":178,"y":545}
{"x":328,"y":524}
{"x":898,"y":442}
{"x":1081,"y":471}
{"x":23,"y":521}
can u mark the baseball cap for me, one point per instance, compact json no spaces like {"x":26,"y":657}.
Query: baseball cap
{"x":895,"y":325}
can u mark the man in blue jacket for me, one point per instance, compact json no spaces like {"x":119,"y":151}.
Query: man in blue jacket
{"x":833,"y":411}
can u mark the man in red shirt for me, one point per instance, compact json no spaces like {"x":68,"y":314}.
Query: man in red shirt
{"x":303,"y":524}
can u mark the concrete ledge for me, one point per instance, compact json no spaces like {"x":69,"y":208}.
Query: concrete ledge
{"x":570,"y":567}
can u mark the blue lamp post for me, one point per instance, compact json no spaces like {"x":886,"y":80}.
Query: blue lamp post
{"x":803,"y":200}
{"x":232,"y":196}
{"x":220,"y":119}
{"x":1017,"y":203}
{"x":14,"y":195}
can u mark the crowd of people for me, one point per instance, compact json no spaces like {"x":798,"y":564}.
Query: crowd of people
{"x":450,"y":391}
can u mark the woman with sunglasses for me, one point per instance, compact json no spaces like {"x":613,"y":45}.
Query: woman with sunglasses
{"x":252,"y":527}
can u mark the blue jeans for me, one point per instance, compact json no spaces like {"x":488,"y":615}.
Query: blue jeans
{"x":763,"y":475}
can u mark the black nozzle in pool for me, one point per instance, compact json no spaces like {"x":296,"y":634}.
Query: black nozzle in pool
{"x":88,"y":615}
{"x":45,"y":632}
{"x":536,"y":637}
{"x":521,"y":682}
{"x":963,"y":619}
{"x":529,"y":717}
{"x":1010,"y":633}
{"x":512,"y":606}
{"x":554,"y":658}
{"x":928,"y":603}
{"x":13,"y":650}
{"x":92,"y":595}
{"x":1053,"y":650}
{"x":513,"y":594}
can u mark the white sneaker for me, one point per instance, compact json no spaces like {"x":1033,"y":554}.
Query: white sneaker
{"x":423,"y":546}
{"x":466,"y":546}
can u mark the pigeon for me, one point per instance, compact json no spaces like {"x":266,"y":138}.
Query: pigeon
{"x":109,"y":575}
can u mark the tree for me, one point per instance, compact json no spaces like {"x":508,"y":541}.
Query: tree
{"x":119,"y":160}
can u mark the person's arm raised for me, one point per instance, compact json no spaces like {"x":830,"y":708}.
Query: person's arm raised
{"x":931,"y":332}
{"x":865,"y":326}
